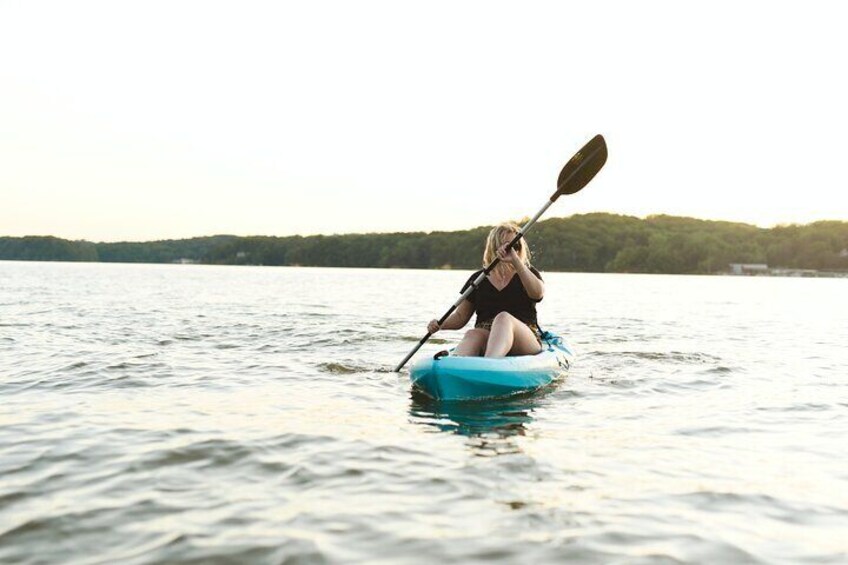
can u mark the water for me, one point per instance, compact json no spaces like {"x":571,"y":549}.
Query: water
{"x":157,"y":413}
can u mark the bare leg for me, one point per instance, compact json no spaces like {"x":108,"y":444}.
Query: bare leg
{"x":511,"y":336}
{"x":473,"y":343}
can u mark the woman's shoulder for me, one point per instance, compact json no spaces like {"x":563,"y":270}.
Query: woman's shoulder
{"x":471,"y":279}
{"x":474,"y":275}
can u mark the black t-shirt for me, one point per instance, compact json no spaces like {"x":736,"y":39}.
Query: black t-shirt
{"x":489,"y":302}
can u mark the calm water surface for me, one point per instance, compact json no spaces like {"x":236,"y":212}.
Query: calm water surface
{"x":158,"y":413}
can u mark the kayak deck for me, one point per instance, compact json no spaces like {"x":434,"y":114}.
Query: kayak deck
{"x":470,"y":378}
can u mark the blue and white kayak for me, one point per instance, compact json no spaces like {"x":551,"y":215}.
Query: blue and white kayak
{"x":469,"y":378}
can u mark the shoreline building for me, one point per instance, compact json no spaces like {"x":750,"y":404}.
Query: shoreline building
{"x":749,"y":269}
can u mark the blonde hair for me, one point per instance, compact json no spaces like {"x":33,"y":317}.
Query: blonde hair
{"x":500,"y":236}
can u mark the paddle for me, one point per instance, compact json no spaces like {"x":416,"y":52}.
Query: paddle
{"x":576,"y":174}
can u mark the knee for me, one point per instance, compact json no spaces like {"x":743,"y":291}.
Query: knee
{"x":476,"y":333}
{"x":503,"y":318}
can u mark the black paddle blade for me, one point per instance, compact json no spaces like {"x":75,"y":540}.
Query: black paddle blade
{"x":583,"y":167}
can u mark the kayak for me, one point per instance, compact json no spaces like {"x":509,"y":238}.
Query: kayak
{"x":449,"y":377}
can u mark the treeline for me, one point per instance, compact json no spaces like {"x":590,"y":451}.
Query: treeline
{"x":49,"y":248}
{"x":46,"y":248}
{"x":588,"y":243}
{"x":166,"y":251}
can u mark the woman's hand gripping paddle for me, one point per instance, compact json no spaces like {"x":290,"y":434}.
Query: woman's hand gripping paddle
{"x":576,"y":174}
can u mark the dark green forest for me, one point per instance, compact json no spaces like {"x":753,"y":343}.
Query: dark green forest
{"x":586,"y":243}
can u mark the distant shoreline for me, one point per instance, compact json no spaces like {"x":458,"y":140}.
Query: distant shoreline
{"x":776,"y":273}
{"x":603,"y":243}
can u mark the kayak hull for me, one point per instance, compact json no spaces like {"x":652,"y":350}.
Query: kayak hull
{"x":471,"y":378}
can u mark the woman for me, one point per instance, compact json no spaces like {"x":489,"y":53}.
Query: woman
{"x":505,"y":303}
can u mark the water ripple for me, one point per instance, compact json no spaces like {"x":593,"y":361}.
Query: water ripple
{"x":155,"y":413}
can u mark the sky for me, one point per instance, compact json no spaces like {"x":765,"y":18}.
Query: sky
{"x":153,"y":120}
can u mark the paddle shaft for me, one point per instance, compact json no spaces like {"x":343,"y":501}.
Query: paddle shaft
{"x":479,"y":280}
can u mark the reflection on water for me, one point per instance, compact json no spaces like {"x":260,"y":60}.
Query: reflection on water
{"x":491,"y":425}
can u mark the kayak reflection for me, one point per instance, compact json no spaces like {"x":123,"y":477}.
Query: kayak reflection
{"x":493,"y":425}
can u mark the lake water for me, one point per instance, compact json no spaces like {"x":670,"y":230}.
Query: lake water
{"x":168,"y":413}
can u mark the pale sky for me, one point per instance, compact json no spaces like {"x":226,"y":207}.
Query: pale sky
{"x":147,"y":120}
